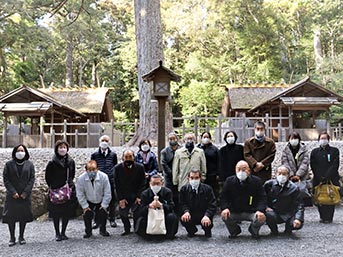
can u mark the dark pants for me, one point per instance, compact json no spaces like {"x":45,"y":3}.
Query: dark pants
{"x":171,"y":221}
{"x":168,"y":182}
{"x":273,"y":219}
{"x":190,"y":226}
{"x":112,"y":205}
{"x":100,"y":217}
{"x":212,"y":181}
{"x":326,"y":212}
{"x":124,"y":214}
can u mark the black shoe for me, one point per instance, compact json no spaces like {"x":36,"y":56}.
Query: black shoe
{"x":64,"y":237}
{"x":87,"y":235}
{"x":22,"y":241}
{"x":253,"y":234}
{"x":208,"y":233}
{"x":125,"y":233}
{"x":236,"y":233}
{"x":113,"y":224}
{"x":104,"y":233}
{"x":58,"y":238}
{"x":274,"y":232}
{"x":191,"y":235}
{"x":95,"y":225}
{"x":11,"y":242}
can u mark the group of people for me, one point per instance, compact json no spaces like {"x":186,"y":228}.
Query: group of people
{"x":195,"y":181}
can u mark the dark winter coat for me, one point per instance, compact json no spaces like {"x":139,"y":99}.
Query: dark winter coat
{"x":129,"y":183}
{"x":248,"y":196}
{"x":229,"y":155}
{"x":15,"y":182}
{"x":200,"y":204}
{"x":285,"y":201}
{"x":212,"y":159}
{"x":324,"y":164}
{"x":105,"y":163}
{"x":56,"y":177}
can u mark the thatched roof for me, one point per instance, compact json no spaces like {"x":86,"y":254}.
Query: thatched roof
{"x":84,"y":100}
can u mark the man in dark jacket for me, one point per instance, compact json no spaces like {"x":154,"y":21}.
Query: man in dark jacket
{"x":259,"y":152}
{"x":157,"y":197}
{"x":129,"y":179}
{"x":243,"y":198}
{"x":106,"y":160}
{"x":197,"y":205}
{"x":284,"y":204}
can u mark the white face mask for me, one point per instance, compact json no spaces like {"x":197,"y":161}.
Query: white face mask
{"x":103,"y":145}
{"x":241,"y":175}
{"x":205,"y":140}
{"x":156,"y":189}
{"x":323,"y":142}
{"x":20,"y":155}
{"x":145,"y":148}
{"x":194,"y":183}
{"x":259,"y":133}
{"x":62,"y":151}
{"x":230,"y":140}
{"x":282,"y":179}
{"x":294,"y":142}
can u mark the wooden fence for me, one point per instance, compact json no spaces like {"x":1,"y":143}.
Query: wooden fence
{"x":87,"y":134}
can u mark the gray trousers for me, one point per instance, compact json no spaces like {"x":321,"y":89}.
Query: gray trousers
{"x":232,"y":222}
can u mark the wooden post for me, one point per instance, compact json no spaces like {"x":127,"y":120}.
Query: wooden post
{"x":244,"y":134}
{"x":161,"y":137}
{"x":41,"y":132}
{"x":279,"y":139}
{"x":183,"y":129}
{"x":280,"y":115}
{"x":65,"y":130}
{"x":267,"y":125}
{"x":4,"y":132}
{"x":220,"y":117}
{"x":327,"y":116}
{"x":112,"y":131}
{"x":88,"y":133}
{"x":52,"y":138}
{"x":196,"y":128}
{"x":290,"y":119}
{"x":76,"y":138}
{"x":339,"y":131}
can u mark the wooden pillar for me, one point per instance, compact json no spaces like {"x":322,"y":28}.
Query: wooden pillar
{"x":280,"y":115}
{"x":4,"y":132}
{"x":290,"y":118}
{"x":41,"y":132}
{"x":88,"y":133}
{"x":65,"y":130}
{"x":161,"y":137}
{"x":112,"y":131}
{"x":76,"y":138}
{"x":327,"y":117}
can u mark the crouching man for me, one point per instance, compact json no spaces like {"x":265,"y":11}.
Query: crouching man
{"x":197,"y":205}
{"x":157,"y":197}
{"x":93,"y":192}
{"x":243,"y":198}
{"x":284,"y":203}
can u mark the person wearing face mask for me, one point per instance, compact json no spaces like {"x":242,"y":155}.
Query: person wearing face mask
{"x":157,"y":197}
{"x":243,"y":199}
{"x":324,"y":162}
{"x":197,"y":205}
{"x":106,"y":159}
{"x":229,"y":155}
{"x":212,"y":161}
{"x":259,"y":152}
{"x":129,"y":181}
{"x":284,"y":203}
{"x":147,"y":158}
{"x":93,"y":192}
{"x":19,"y":177}
{"x":187,"y":157}
{"x":167,"y":157}
{"x":61,"y":169}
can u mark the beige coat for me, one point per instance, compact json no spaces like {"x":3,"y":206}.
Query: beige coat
{"x":184,"y":162}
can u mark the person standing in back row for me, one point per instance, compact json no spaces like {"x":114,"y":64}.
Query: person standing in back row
{"x":259,"y":152}
{"x":106,"y":159}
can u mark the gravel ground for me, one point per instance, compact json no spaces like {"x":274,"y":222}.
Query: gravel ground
{"x":315,"y":239}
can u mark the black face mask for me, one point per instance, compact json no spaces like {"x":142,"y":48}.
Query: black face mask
{"x":190,"y":146}
{"x":128,"y":163}
{"x":173,"y":143}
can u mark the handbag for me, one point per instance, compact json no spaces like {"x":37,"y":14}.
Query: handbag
{"x":326,"y":194}
{"x":60,"y":195}
{"x":156,"y":222}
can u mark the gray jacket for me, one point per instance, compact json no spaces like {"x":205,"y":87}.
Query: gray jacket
{"x":297,"y":166}
{"x":167,"y":157}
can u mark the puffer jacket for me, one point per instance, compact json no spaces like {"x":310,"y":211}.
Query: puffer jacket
{"x":298,"y":165}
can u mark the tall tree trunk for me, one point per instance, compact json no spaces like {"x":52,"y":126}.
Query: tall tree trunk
{"x":69,"y":62}
{"x":149,"y":52}
{"x":93,"y":73}
{"x":317,"y":44}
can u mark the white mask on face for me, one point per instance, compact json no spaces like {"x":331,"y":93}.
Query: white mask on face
{"x":205,"y":140}
{"x":103,"y":145}
{"x":282,"y":179}
{"x":294,"y":142}
{"x":323,"y":142}
{"x":62,"y":151}
{"x":259,"y":133}
{"x":194,"y":183}
{"x":241,"y":175}
{"x":156,"y":189}
{"x":20,"y":155}
{"x":145,"y":148}
{"x":230,"y":140}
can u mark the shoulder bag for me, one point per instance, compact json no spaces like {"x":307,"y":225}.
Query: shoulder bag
{"x":326,"y":194}
{"x":60,"y":195}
